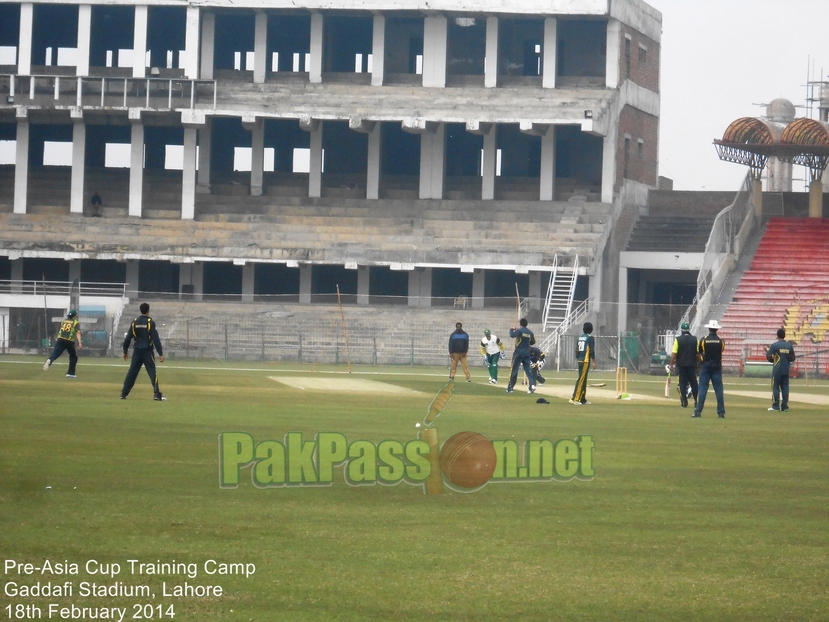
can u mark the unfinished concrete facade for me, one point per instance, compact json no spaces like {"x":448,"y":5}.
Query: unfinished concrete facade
{"x":396,"y":148}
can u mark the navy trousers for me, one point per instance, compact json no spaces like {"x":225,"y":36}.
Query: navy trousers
{"x":780,"y":389}
{"x":518,"y":362}
{"x":68,"y":346}
{"x":712,"y":376}
{"x":139,"y":358}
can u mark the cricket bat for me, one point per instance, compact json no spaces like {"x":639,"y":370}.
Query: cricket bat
{"x":668,"y":381}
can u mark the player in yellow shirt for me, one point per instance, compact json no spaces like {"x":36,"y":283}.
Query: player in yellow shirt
{"x":70,"y":330}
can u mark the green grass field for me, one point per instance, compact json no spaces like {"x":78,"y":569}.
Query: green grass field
{"x":684,"y":519}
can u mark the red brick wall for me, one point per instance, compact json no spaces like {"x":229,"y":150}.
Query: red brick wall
{"x":644,"y":72}
{"x":641,"y":166}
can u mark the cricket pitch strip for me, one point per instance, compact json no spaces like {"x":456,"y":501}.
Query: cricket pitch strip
{"x":343,"y":385}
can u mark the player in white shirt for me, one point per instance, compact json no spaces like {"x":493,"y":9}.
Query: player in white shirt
{"x":491,"y":350}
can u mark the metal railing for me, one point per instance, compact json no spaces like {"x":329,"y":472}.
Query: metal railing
{"x":109,"y":92}
{"x":572,"y":317}
{"x":61,"y":288}
{"x":721,"y":245}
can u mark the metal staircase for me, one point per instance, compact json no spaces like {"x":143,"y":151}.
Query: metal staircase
{"x":560,"y":294}
{"x":559,"y":314}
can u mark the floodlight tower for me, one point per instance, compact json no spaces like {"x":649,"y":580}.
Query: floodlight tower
{"x":779,"y":171}
{"x":750,"y":141}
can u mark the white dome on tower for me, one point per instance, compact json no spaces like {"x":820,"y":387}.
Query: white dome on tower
{"x":780,"y":110}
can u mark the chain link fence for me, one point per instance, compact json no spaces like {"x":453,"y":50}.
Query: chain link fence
{"x":377,"y":335}
{"x":366,"y":335}
{"x":315,"y":340}
{"x":324,"y":341}
{"x":317,"y":334}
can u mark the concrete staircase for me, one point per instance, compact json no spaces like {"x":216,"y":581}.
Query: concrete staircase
{"x":677,"y":221}
{"x":670,"y":233}
{"x":331,"y":230}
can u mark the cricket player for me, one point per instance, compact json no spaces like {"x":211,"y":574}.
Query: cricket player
{"x":586,"y":355}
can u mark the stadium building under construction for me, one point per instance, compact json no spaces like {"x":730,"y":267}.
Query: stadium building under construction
{"x":402,"y":150}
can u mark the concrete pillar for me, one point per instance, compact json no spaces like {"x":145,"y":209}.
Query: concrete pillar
{"x":549,"y":62}
{"x":595,"y":286}
{"x":414,"y":287}
{"x":74,"y":270}
{"x":816,"y":199}
{"x":208,"y":43}
{"x":491,"y":56}
{"x":778,"y":175}
{"x":248,"y":276}
{"x":257,"y":160}
{"x":185,"y":272}
{"x":757,"y":197}
{"x":547,"y":191}
{"x":205,"y":140}
{"x":4,"y":328}
{"x":363,"y":283}
{"x":315,"y":70}
{"x":378,"y":50}
{"x":490,"y":161}
{"x":478,"y":290}
{"x":136,"y":170}
{"x":305,"y":277}
{"x":434,"y":51}
{"x":197,"y":280}
{"x":375,"y":142}
{"x":132,"y":278}
{"x":188,"y":175}
{"x":609,"y":164}
{"x":613,"y":58}
{"x":191,"y":43}
{"x":432,"y":153}
{"x":24,"y":45}
{"x":420,"y":287}
{"x":139,"y":45}
{"x":76,"y":191}
{"x":623,"y":301}
{"x":426,"y":287}
{"x":260,"y":47}
{"x":536,"y":301}
{"x":84,"y":34}
{"x":185,"y":278}
{"x":315,"y":172}
{"x":17,"y":275}
{"x":21,"y":167}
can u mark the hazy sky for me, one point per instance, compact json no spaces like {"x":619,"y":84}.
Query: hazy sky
{"x":719,"y":59}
